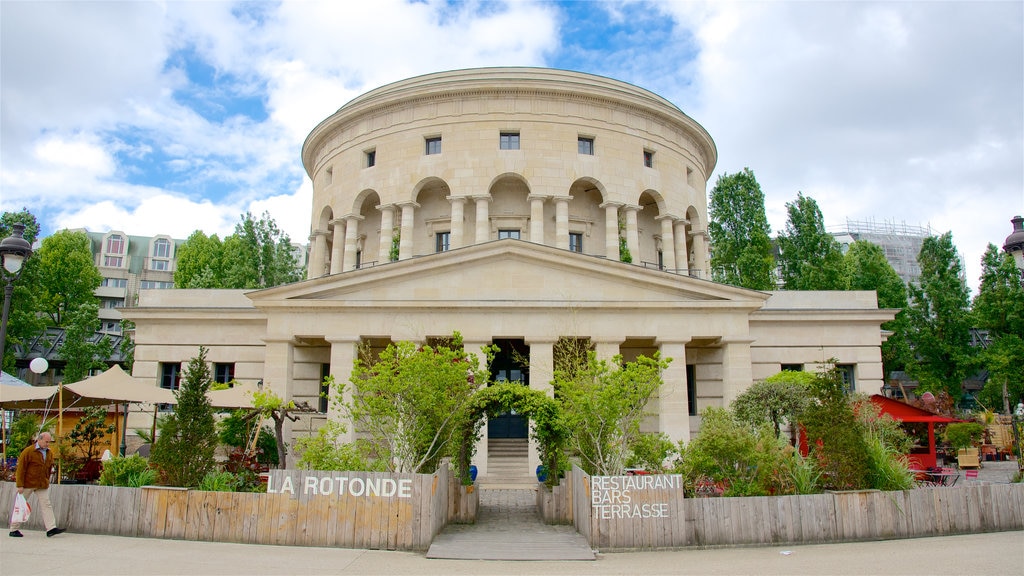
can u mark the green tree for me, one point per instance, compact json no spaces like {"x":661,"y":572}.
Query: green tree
{"x":603,"y":406}
{"x":83,"y":349}
{"x":741,"y":247}
{"x":64,"y":275}
{"x":809,"y":257}
{"x":999,"y":309}
{"x":270,"y":405}
{"x":411,"y":402}
{"x":200,"y":262}
{"x":259,"y":255}
{"x":90,"y":430}
{"x":868,"y":269}
{"x":835,"y":438}
{"x":939,"y":320}
{"x":23,"y":322}
{"x":776,"y":400}
{"x":9,"y":219}
{"x":188,"y":437}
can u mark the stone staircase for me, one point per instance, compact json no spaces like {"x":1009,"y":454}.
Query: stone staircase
{"x":508,"y":465}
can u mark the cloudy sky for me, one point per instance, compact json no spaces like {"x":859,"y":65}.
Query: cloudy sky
{"x":167,"y":117}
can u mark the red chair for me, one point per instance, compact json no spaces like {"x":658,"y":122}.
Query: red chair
{"x":971,"y":476}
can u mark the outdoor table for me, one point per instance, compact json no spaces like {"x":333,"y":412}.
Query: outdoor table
{"x":937,"y":477}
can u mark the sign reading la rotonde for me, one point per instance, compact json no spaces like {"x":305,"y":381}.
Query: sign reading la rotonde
{"x":318,"y":483}
{"x":647,"y":496}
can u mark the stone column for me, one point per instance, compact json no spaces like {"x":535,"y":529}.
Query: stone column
{"x":673,"y":407}
{"x":611,"y":230}
{"x":278,"y":366}
{"x":668,"y":243}
{"x":542,"y":367}
{"x":682,"y":252}
{"x":344,"y":350}
{"x":633,"y":232}
{"x":405,"y":243}
{"x":387,"y":230}
{"x":480,"y":455}
{"x":562,"y":221}
{"x":536,"y":218}
{"x":483,"y":219}
{"x":700,"y":253}
{"x":458,"y":226}
{"x":318,"y":255}
{"x":337,"y":245}
{"x":351,"y":241}
{"x":737,"y":375}
{"x":606,"y":349}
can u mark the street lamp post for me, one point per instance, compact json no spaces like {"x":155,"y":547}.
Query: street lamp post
{"x":14,"y":250}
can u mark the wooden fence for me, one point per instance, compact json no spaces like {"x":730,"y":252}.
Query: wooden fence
{"x":646,"y":512}
{"x":302,"y":508}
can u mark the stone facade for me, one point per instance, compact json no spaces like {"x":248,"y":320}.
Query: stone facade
{"x":508,"y":230}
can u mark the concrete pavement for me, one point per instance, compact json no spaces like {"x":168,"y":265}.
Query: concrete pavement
{"x":1000,"y":553}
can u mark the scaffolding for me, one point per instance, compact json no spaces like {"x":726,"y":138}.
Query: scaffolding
{"x":900,"y":241}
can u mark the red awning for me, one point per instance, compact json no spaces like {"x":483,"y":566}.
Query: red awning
{"x":907,"y":413}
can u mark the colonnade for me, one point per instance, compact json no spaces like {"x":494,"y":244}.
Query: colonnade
{"x":676,"y":233}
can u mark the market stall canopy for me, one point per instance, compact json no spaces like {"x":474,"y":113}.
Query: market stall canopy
{"x":240,"y":396}
{"x":115,"y":386}
{"x":14,"y":396}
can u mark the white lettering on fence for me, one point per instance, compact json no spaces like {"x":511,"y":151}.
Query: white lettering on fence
{"x":342,"y":485}
{"x":615,"y":497}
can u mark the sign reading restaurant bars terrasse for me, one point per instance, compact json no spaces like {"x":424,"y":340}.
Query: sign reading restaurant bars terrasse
{"x":626,"y":497}
{"x":306,"y":483}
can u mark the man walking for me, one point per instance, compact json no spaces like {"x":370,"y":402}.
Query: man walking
{"x":35,"y":464}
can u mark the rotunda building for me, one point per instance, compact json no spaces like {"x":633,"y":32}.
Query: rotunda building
{"x":565,"y":159}
{"x":522,"y":208}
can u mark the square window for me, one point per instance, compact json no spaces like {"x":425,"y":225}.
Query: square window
{"x":509,"y":141}
{"x":793,"y":367}
{"x":223,"y":372}
{"x":371,"y":158}
{"x":846,"y":371}
{"x":648,"y":159}
{"x":442,"y":241}
{"x":502,"y":234}
{"x":112,"y":261}
{"x":576,"y":242}
{"x":170,"y":375}
{"x":159,"y":265}
{"x":434,"y":145}
{"x":586,"y":146}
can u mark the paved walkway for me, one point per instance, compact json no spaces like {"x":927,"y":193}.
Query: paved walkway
{"x":1000,"y":553}
{"x":509,"y":527}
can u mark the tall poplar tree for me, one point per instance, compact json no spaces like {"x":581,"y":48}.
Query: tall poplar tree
{"x":741,"y":247}
{"x":939,"y":320}
{"x":809,"y":257}
{"x":999,"y":309}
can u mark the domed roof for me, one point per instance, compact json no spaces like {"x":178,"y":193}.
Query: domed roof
{"x":1015,"y":241}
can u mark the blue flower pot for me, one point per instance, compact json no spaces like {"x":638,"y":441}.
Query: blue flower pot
{"x":472,"y":472}
{"x":542,"y":473}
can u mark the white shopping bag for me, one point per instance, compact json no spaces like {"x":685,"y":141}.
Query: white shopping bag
{"x":21,"y":510}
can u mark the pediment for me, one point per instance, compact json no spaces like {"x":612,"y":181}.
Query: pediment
{"x":508,"y":273}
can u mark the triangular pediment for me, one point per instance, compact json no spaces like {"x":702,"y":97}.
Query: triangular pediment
{"x":509,"y":272}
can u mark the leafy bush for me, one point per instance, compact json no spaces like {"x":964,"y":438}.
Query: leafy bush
{"x":805,"y":474}
{"x":962,"y":435}
{"x":324,"y":452}
{"x":126,"y":471}
{"x":836,"y":439}
{"x":23,"y":429}
{"x":235,"y":430}
{"x":218,"y":482}
{"x":728,"y":453}
{"x":650,"y":451}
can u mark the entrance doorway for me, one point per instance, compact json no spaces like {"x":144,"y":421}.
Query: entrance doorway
{"x":509,"y":365}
